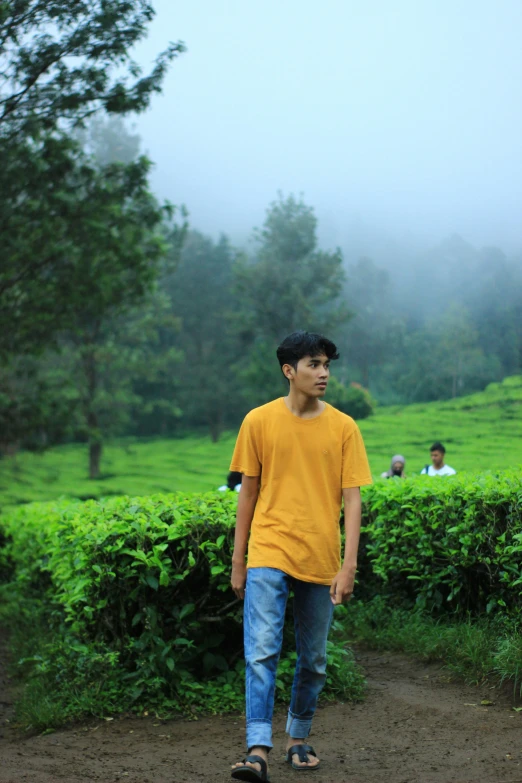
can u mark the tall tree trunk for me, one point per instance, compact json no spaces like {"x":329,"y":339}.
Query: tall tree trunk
{"x":93,"y":425}
{"x":215,"y":423}
{"x":95,"y":453}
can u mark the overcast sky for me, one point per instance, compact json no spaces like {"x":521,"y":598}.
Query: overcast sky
{"x":393,"y":118}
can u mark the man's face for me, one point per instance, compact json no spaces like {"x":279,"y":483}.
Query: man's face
{"x":311,"y":376}
{"x":437,"y":458}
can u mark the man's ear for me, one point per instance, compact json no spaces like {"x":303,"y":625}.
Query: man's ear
{"x":288,"y":371}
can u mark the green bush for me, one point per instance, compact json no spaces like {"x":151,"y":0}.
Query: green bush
{"x":136,"y":597}
{"x":445,"y":544}
{"x":146,"y":579}
{"x":354,"y":399}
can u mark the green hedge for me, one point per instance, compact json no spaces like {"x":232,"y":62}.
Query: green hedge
{"x":445,"y":543}
{"x":144,"y":578}
{"x":137,"y":594}
{"x":128,"y":601}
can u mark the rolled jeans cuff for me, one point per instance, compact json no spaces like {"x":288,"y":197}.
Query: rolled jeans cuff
{"x":259,"y":732}
{"x":297,"y":728}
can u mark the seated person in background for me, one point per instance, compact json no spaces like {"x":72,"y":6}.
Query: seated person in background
{"x":397,"y":466}
{"x":437,"y":468}
{"x":233,"y":482}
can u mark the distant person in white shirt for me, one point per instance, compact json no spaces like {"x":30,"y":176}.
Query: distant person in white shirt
{"x":233,"y":482}
{"x":438,"y":467}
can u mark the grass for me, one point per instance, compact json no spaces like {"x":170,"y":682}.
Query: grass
{"x":482,"y":431}
{"x":57,"y":680}
{"x":139,"y":467}
{"x":474,"y":650}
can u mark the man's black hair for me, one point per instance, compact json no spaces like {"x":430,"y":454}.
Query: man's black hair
{"x":300,"y":344}
{"x":437,"y":446}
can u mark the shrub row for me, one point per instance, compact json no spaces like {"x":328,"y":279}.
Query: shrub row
{"x":445,"y":544}
{"x":135,"y":591}
{"x":137,"y":594}
{"x":145,"y":579}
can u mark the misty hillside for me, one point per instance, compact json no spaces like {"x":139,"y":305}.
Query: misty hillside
{"x":481,"y":431}
{"x":437,"y":324}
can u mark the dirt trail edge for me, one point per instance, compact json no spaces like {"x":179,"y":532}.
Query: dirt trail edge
{"x":414,"y":727}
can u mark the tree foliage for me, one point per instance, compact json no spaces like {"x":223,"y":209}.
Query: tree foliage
{"x":288,"y":285}
{"x":445,"y":327}
{"x":110,"y":240}
{"x":59,"y":63}
{"x":201,"y":295}
{"x":374,"y":329}
{"x":62,"y":60}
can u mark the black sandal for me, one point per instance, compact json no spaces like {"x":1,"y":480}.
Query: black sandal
{"x":303,"y":751}
{"x":251,"y":774}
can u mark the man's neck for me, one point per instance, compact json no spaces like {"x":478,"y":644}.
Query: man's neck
{"x":303,"y":406}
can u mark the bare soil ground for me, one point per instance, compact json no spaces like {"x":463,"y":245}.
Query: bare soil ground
{"x":415,"y":727}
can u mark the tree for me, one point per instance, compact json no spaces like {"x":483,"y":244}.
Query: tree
{"x":116,"y":241}
{"x":36,"y":405}
{"x":374,"y":329}
{"x":443,"y":359}
{"x":121,"y":248}
{"x":494,"y":299}
{"x":60,"y":61}
{"x":290,"y":284}
{"x":201,"y":295}
{"x":100,"y":218}
{"x":460,"y":357}
{"x":105,"y":360}
{"x":107,"y":139}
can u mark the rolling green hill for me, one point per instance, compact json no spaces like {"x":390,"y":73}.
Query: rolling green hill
{"x":482,"y":431}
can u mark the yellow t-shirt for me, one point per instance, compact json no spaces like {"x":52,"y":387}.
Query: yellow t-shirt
{"x":304,"y":464}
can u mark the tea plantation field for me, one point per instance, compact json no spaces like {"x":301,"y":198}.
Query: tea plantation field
{"x":482,"y":431}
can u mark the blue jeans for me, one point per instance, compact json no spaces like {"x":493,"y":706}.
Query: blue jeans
{"x":266,"y":595}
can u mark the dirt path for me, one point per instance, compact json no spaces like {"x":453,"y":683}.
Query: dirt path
{"x":415,"y":727}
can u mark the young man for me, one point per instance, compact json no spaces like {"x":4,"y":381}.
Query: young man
{"x":299,"y":457}
{"x":437,"y":467}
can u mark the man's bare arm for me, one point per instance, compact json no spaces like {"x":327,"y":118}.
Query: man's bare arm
{"x":342,"y":584}
{"x":245,"y":512}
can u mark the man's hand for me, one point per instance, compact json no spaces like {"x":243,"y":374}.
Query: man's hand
{"x":342,"y":587}
{"x":342,"y":584}
{"x":238,"y":579}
